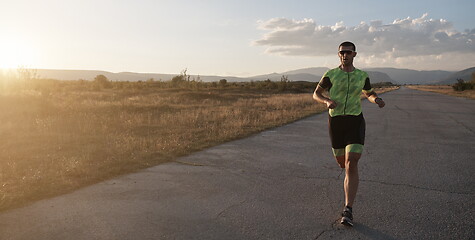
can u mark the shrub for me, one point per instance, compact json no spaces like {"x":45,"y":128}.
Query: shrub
{"x":223,"y":82}
{"x":461,"y":85}
{"x":102,"y":81}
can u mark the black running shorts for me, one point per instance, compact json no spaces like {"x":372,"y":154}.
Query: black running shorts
{"x":346,"y":130}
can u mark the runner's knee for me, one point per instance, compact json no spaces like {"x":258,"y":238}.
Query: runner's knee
{"x":340,"y":160}
{"x":352,"y":161}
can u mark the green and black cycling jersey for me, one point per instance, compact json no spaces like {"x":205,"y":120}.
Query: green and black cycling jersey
{"x":345,"y":89}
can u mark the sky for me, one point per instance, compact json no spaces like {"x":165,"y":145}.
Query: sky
{"x":234,"y":37}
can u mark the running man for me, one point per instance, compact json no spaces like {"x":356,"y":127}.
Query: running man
{"x":346,"y":123}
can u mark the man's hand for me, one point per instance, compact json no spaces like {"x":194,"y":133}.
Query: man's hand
{"x":380,"y":102}
{"x":330,"y":104}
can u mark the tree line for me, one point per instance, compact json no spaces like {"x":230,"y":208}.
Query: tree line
{"x":185,"y":81}
{"x":29,"y":79}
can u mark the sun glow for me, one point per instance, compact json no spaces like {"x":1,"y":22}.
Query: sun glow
{"x":15,"y":53}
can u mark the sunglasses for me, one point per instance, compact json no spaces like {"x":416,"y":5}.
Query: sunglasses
{"x":346,"y":51}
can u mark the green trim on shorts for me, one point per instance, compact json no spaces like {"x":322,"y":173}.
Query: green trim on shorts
{"x":338,"y":152}
{"x":356,"y":148}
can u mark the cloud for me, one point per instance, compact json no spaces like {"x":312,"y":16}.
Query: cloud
{"x":403,"y":38}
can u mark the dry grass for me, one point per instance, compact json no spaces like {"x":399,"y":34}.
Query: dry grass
{"x":57,"y":141}
{"x":381,"y":90}
{"x":447,"y":90}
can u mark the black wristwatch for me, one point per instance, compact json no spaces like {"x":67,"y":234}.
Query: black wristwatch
{"x":377,"y":99}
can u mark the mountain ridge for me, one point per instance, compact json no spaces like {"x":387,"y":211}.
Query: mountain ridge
{"x":410,"y":76}
{"x":394,"y":75}
{"x":465,"y":74}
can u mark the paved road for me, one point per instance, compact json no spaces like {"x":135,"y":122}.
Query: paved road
{"x":416,"y":183}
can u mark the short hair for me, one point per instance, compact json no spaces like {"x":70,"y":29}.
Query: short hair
{"x":348,"y":44}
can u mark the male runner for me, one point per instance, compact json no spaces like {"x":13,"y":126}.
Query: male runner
{"x":346,"y":123}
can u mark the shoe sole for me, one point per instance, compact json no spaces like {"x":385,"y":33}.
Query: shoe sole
{"x":346,"y":221}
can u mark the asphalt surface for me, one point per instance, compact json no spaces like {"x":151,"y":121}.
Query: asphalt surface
{"x":416,"y":182}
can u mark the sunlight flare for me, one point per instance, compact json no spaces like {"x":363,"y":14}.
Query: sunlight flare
{"x":15,"y":53}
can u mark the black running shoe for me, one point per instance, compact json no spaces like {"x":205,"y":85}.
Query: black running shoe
{"x":347,"y":217}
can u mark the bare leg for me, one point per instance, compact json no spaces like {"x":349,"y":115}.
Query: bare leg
{"x":340,"y":160}
{"x":351,"y":178}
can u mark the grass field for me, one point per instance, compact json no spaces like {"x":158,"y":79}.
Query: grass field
{"x":65,"y":135}
{"x":445,"y":89}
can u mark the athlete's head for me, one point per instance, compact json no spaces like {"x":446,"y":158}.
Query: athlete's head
{"x":346,"y":52}
{"x":348,"y":44}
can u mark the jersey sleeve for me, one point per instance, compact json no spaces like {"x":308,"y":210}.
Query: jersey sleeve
{"x":325,"y":83}
{"x":367,"y":86}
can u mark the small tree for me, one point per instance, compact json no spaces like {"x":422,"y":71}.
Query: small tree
{"x":102,"y":81}
{"x":180,"y":80}
{"x":223,"y":82}
{"x":283,"y":83}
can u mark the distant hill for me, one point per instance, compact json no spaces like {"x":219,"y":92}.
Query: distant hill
{"x":394,"y":75}
{"x":122,"y":76}
{"x":317,"y":71}
{"x":271,"y":76}
{"x":217,"y":78}
{"x":466,"y":75}
{"x":408,"y":76}
{"x":307,"y":77}
{"x":315,"y":74}
{"x":377,"y":77}
{"x":91,"y":74}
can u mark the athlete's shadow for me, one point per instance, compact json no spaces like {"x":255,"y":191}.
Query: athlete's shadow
{"x":371,"y":233}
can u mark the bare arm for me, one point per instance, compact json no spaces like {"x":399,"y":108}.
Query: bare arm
{"x":318,"y":96}
{"x":373,"y":97}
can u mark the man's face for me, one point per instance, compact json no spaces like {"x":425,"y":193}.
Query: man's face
{"x":346,"y":54}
